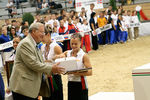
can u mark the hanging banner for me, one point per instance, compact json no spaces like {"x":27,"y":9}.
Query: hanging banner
{"x":102,"y":29}
{"x":86,"y":4}
{"x":62,"y":37}
{"x":134,"y":25}
{"x":106,"y":27}
{"x":6,"y":45}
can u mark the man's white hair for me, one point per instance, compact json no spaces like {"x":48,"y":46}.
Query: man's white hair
{"x":35,"y":26}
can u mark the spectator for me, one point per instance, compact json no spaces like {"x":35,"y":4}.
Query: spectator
{"x":135,"y":19}
{"x":3,"y":39}
{"x":62,"y":13}
{"x":86,"y":38}
{"x":39,"y":4}
{"x":2,"y":88}
{"x":25,"y":31}
{"x":14,"y":11}
{"x":17,"y":3}
{"x":89,"y":12}
{"x":14,"y":23}
{"x":62,"y":28}
{"x":9,"y":7}
{"x":12,"y":33}
{"x":7,"y":22}
{"x":109,"y":9}
{"x":102,"y":21}
{"x":71,"y":28}
{"x":114,"y":17}
{"x":65,"y":22}
{"x":45,"y":7}
{"x":37,"y":18}
{"x":72,"y":13}
{"x":122,"y":29}
{"x":111,"y":32}
{"x":16,"y":41}
{"x":54,"y":33}
{"x":46,"y":19}
{"x":93,"y":28}
{"x":52,"y":20}
{"x":62,"y":31}
{"x":83,"y":12}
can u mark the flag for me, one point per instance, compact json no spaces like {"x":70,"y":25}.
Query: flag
{"x":99,"y":1}
{"x":78,"y":4}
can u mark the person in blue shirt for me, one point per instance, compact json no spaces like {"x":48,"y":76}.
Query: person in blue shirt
{"x":2,"y":88}
{"x":3,"y":39}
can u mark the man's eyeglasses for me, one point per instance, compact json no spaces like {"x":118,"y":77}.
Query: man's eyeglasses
{"x":42,"y":32}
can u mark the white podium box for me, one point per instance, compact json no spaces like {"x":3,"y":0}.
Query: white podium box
{"x":141,"y":82}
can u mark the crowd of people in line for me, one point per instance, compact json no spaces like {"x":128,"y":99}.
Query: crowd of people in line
{"x":72,"y":23}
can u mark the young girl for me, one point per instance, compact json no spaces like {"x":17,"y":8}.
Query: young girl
{"x":55,"y":33}
{"x":77,"y":84}
{"x":127,"y":19}
{"x":86,"y":39}
{"x":122,"y":30}
{"x":93,"y":28}
{"x":102,"y":21}
{"x":111,"y":32}
{"x":16,"y":41}
{"x":49,"y":50}
{"x":12,"y":33}
{"x":135,"y":19}
{"x":114,"y":16}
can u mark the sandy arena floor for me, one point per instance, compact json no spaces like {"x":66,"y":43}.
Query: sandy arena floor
{"x":113,"y":64}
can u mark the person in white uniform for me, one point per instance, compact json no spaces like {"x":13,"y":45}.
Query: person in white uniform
{"x":49,"y":50}
{"x":77,"y":84}
{"x":135,"y":19}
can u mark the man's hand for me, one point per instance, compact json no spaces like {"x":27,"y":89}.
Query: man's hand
{"x":57,"y":70}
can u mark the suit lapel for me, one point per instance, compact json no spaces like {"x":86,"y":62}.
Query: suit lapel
{"x":40,"y":55}
{"x":38,"y":51}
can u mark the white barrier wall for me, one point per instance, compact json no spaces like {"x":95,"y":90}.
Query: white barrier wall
{"x":113,"y":96}
{"x":145,"y":29}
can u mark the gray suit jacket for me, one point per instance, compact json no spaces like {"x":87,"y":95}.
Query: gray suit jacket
{"x":26,"y":77}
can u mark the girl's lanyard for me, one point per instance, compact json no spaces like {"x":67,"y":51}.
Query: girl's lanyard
{"x":46,"y":53}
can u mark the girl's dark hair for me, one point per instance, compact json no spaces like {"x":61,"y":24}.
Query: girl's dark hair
{"x":24,"y":27}
{"x":11,"y":33}
{"x":76,"y":35}
{"x":93,"y":14}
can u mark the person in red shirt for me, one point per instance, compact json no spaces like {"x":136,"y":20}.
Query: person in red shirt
{"x":71,"y":27}
{"x":62,"y":31}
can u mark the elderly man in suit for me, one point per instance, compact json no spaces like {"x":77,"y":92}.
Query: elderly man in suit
{"x":28,"y":79}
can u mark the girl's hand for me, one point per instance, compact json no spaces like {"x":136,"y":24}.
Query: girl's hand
{"x":60,"y":56}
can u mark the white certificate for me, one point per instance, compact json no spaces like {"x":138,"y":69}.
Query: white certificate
{"x":69,"y":63}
